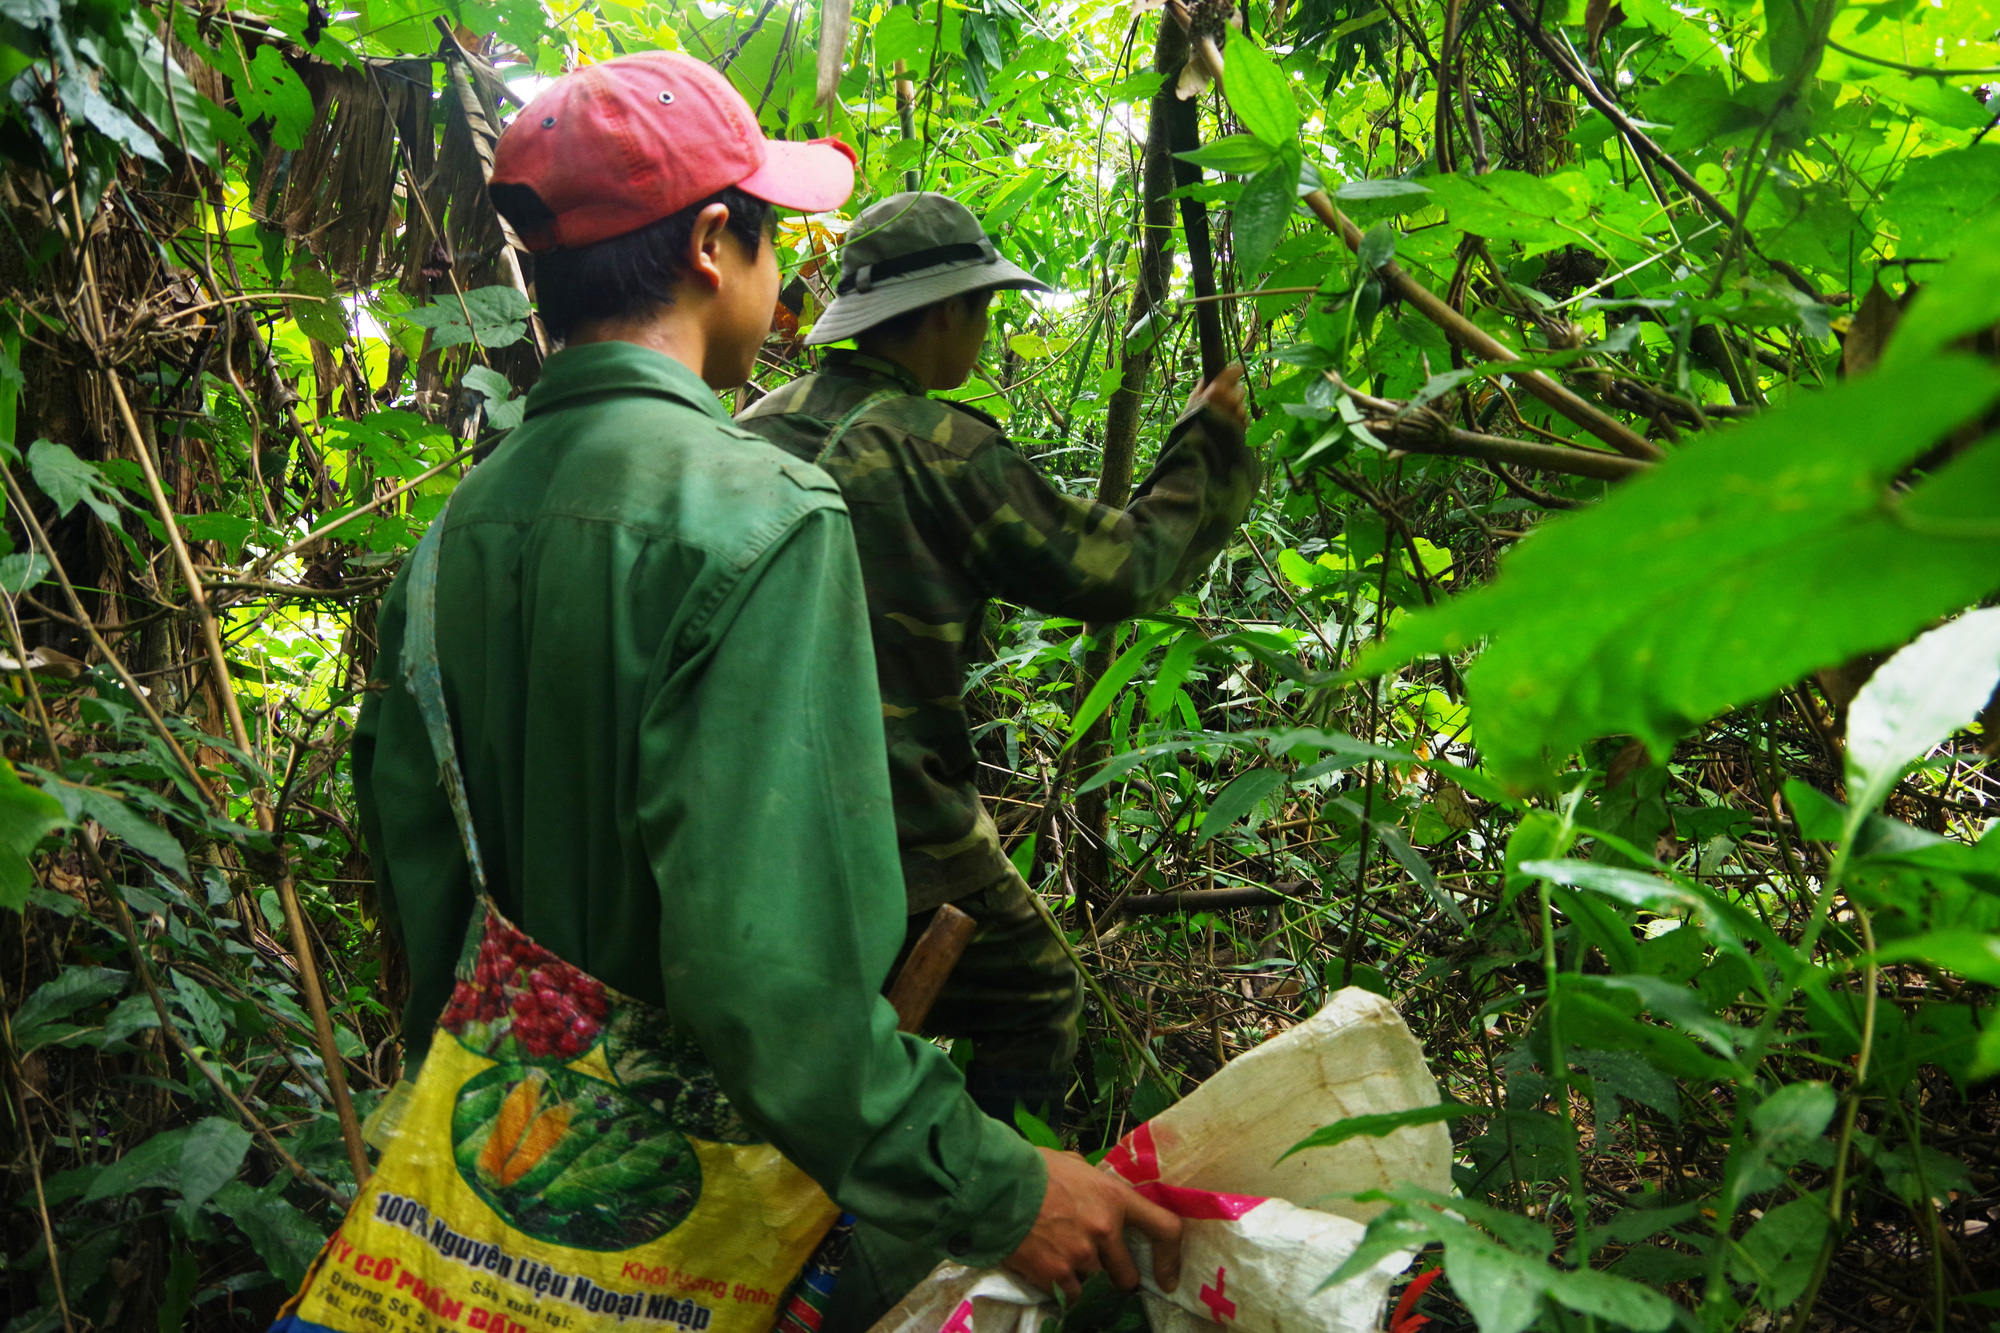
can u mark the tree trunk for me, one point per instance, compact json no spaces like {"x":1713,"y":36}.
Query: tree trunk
{"x":1171,"y":127}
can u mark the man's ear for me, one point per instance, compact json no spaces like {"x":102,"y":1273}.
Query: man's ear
{"x":705,"y":242}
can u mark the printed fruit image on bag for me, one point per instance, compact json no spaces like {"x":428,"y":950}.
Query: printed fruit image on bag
{"x":548,"y":1174}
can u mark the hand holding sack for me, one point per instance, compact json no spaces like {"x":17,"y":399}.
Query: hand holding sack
{"x":1252,"y":1260}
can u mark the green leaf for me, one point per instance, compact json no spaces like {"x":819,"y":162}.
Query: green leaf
{"x":1916,"y":700}
{"x":18,"y":573}
{"x":1237,"y":154}
{"x":72,"y":989}
{"x":1260,"y":94}
{"x":1936,"y":197}
{"x":1751,"y":557}
{"x":1266,"y":205}
{"x":1378,"y":247}
{"x":503,"y":410}
{"x":1779,"y":1253}
{"x":1376,"y":1126}
{"x":1973,"y":954}
{"x":1620,"y":1301}
{"x":274,"y":90}
{"x":898,"y":36}
{"x":229,"y":529}
{"x":201,"y":1007}
{"x":1236,"y":800}
{"x":210,"y":1158}
{"x":1502,"y":1290}
{"x":1410,"y":193}
{"x":322,"y":317}
{"x":1035,"y":1129}
{"x":122,"y":823}
{"x":70,"y":481}
{"x":1795,"y":1113}
{"x":499,"y":316}
{"x":154,"y":1164}
{"x":1509,"y":205}
{"x":27,"y":815}
{"x":1114,"y":679}
{"x":1960,"y":298}
{"x":283,"y":1237}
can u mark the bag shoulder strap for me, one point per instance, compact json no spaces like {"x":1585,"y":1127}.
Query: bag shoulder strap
{"x":840,"y":429}
{"x":426,"y":682}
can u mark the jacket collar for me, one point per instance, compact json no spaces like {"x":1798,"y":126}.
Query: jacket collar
{"x":850,"y":364}
{"x":615,"y":369}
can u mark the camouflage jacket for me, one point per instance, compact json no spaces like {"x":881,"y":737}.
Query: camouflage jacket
{"x":948,"y":515}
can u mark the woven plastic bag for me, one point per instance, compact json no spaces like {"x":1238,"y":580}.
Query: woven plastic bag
{"x":1260,"y":1235}
{"x":564,"y":1160}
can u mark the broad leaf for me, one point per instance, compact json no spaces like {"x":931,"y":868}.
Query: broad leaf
{"x":1266,"y":205}
{"x":1237,"y":800}
{"x":70,"y":481}
{"x":1260,"y":94}
{"x":1752,"y":557}
{"x":1917,"y":699}
{"x":73,"y":989}
{"x":27,"y":815}
{"x":210,"y":1158}
{"x":1237,"y":154}
{"x":498,"y":316}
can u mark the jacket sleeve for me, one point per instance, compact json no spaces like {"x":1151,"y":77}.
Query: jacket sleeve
{"x":1032,"y":544}
{"x":764,"y":806}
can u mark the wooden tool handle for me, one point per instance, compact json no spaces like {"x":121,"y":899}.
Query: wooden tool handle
{"x":930,"y":962}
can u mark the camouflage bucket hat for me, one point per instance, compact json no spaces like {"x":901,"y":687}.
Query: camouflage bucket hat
{"x":908,"y":251}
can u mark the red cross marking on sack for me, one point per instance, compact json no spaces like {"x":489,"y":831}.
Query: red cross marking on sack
{"x":1220,"y":1307}
{"x":960,"y":1321}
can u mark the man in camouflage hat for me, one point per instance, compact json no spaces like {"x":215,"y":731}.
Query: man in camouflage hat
{"x":949,"y":515}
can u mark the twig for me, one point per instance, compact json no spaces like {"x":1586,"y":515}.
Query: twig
{"x":1475,"y":339}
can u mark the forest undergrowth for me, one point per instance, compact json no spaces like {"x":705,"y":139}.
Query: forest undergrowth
{"x":1600,"y":676}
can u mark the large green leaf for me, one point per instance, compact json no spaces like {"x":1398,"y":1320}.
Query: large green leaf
{"x":1754,"y":556}
{"x":1260,"y":94}
{"x":1237,"y":800}
{"x":39,"y":1019}
{"x":284,"y":1237}
{"x":211,"y":1156}
{"x":1917,"y":699}
{"x":498,"y":316}
{"x":1263,"y":209}
{"x":27,"y":814}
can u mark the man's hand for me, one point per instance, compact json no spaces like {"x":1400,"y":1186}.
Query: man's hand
{"x":1081,"y":1228}
{"x":1223,"y":395}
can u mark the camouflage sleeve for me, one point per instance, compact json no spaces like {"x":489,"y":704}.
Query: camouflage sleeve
{"x":1031,"y":544}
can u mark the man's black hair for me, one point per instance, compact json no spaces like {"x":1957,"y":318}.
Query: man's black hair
{"x":626,"y":275}
{"x":903,"y":327}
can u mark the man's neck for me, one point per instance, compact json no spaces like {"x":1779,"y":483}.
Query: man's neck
{"x":912,"y":357}
{"x":670,"y":332}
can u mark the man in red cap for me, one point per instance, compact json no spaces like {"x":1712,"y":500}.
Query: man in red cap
{"x":653,"y":642}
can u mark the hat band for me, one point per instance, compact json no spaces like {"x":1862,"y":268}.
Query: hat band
{"x":868,"y":275}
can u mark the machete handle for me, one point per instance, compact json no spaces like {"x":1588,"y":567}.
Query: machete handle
{"x":930,"y":962}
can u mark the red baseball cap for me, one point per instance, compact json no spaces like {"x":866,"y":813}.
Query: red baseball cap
{"x":616,"y":146}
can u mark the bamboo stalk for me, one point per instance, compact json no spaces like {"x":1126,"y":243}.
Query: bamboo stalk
{"x":288,"y":897}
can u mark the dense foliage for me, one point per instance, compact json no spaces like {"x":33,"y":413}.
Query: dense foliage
{"x":1624,"y":376}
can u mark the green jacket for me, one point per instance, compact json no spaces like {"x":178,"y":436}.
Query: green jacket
{"x":650,"y":626}
{"x":948,"y":516}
